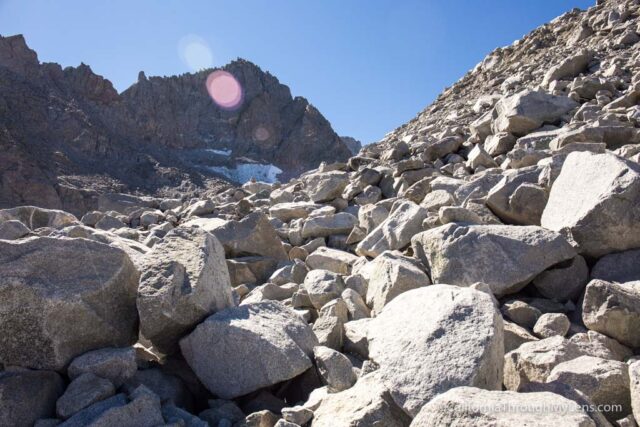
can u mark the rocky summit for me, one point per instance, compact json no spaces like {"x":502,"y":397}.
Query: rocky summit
{"x":480,"y":265}
{"x":67,"y":136}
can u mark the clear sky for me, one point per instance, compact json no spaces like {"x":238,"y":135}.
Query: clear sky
{"x":367,"y":65}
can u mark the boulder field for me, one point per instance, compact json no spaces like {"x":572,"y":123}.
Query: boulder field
{"x":480,"y":265}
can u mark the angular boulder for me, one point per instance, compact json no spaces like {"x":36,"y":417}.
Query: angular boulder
{"x":470,"y":406}
{"x":429,"y":340}
{"x":184,"y":279}
{"x":62,"y":297}
{"x":391,"y":274}
{"x":324,"y":186}
{"x":34,"y":217}
{"x":534,"y":361}
{"x":367,"y":403}
{"x":243,"y":349}
{"x":527,"y":110}
{"x":613,"y":309}
{"x":604,"y":382}
{"x":252,"y":235}
{"x":502,"y":256}
{"x":327,"y":225}
{"x":335,"y":260}
{"x":595,"y":202}
{"x":395,"y":232}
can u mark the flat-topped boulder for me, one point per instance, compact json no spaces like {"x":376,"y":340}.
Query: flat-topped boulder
{"x":502,"y":256}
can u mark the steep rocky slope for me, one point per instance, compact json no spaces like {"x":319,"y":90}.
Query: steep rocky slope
{"x":479,"y":266}
{"x":68,"y":136}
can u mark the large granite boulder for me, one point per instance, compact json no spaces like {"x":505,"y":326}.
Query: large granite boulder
{"x":613,"y":309}
{"x":184,"y":279}
{"x":595,"y":202}
{"x":252,"y":235}
{"x":243,"y":349}
{"x":395,"y":232}
{"x":35,"y":217}
{"x":391,"y":274}
{"x":467,"y":406}
{"x":62,"y":297}
{"x":527,"y":110}
{"x":502,"y":256}
{"x":420,"y":335}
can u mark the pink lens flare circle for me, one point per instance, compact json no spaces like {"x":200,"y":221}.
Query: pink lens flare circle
{"x":224,"y":89}
{"x":261,"y":134}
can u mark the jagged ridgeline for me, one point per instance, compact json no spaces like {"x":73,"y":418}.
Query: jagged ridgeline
{"x":67,"y":136}
{"x":478,"y":266}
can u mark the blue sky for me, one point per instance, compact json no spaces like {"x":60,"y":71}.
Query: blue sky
{"x":367,"y":65}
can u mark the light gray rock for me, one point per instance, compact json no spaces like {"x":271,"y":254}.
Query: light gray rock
{"x":13,"y":229}
{"x":82,"y":392}
{"x":613,"y":309}
{"x":595,"y":202}
{"x":391,"y":274}
{"x":534,"y":361}
{"x":413,"y":335}
{"x":527,"y":110}
{"x":595,"y":344}
{"x":292,"y":210}
{"x":355,"y":305}
{"x":252,"y":235}
{"x":504,"y":257}
{"x":500,"y":143}
{"x":62,"y":297}
{"x":355,"y":337}
{"x":322,"y":286}
{"x":334,"y":368}
{"x":367,"y":403}
{"x":473,"y":406}
{"x":335,"y":260}
{"x":478,"y":157}
{"x":242,"y":349}
{"x":552,"y":324}
{"x":328,"y":225}
{"x":297,"y":414}
{"x":604,"y":382}
{"x":34,"y":217}
{"x":634,"y":381}
{"x":324,"y":186}
{"x":569,"y":67}
{"x":515,"y":335}
{"x":521,"y":313}
{"x":618,"y":267}
{"x":565,"y":281}
{"x":434,"y":200}
{"x":185,"y":279}
{"x":395,"y":232}
{"x":115,"y":364}
{"x":515,"y":202}
{"x":26,"y":396}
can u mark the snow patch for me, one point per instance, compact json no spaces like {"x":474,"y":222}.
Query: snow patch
{"x":243,"y":172}
{"x":225,"y":153}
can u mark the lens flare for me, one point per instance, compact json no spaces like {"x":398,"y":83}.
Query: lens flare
{"x":195,"y":52}
{"x":225,"y":90}
{"x":261,"y":133}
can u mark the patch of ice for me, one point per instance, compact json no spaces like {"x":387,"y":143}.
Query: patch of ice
{"x":243,"y":172}
{"x":225,"y":153}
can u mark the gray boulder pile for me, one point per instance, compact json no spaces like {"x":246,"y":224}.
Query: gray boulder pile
{"x":478,"y":266}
